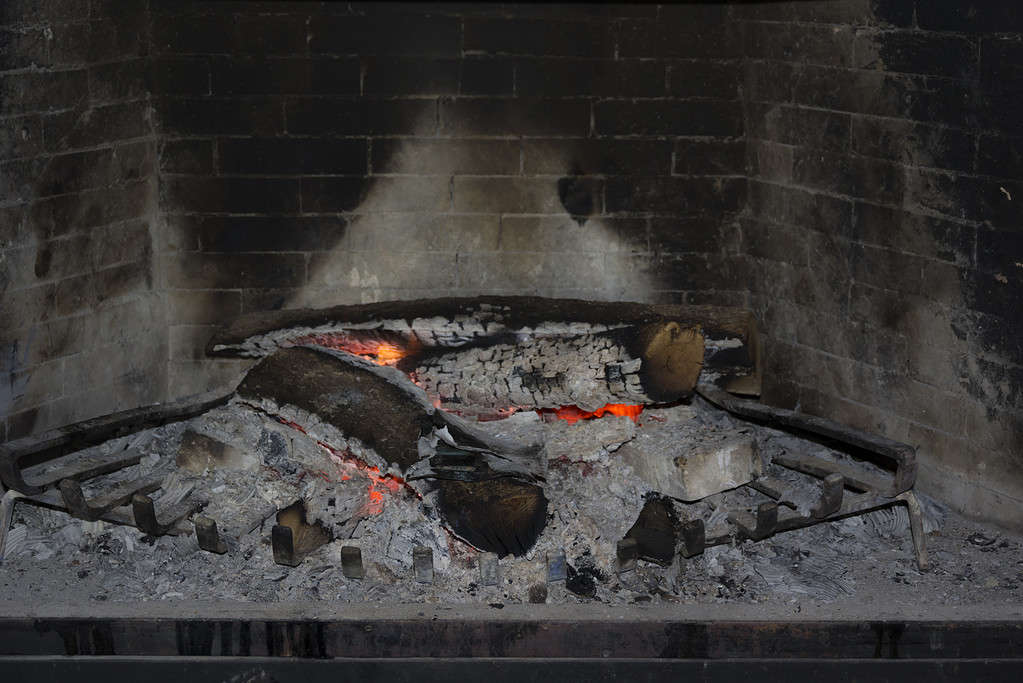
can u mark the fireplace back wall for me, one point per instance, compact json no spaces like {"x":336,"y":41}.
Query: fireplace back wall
{"x":323,"y":153}
{"x":844,"y":167}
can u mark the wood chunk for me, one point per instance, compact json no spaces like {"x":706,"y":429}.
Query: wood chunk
{"x":357,"y":402}
{"x":503,"y":516}
{"x":694,"y":538}
{"x":655,"y":531}
{"x":672,"y":359}
{"x":732,"y":354}
{"x":694,"y":473}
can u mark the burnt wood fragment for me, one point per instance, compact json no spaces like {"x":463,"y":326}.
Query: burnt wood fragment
{"x":356,"y":402}
{"x":502,"y":516}
{"x":385,"y":411}
{"x":655,"y":531}
{"x":694,"y":538}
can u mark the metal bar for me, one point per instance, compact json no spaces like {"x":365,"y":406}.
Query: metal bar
{"x":118,"y":495}
{"x":207,"y":535}
{"x":902,"y":456}
{"x":81,"y":435}
{"x":282,"y":539}
{"x":146,"y":520}
{"x":831,"y":496}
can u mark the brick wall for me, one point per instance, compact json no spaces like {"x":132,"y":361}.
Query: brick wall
{"x":319,"y":153}
{"x":851,"y":168}
{"x":883,"y":227}
{"x":82,"y":330}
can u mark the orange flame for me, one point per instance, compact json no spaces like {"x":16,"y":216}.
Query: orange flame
{"x":573,"y":414}
{"x":380,"y":351}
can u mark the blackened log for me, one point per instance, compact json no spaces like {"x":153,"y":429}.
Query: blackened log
{"x":379,"y":406}
{"x":732,"y":358}
{"x":503,"y":516}
{"x":654,"y":363}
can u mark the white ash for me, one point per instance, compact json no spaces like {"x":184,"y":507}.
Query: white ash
{"x":588,"y":371}
{"x":430,"y":332}
{"x":593,"y":502}
{"x":593,"y":442}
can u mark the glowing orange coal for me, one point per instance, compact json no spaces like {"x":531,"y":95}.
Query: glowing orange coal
{"x":573,"y":414}
{"x":348,"y":465}
{"x":380,"y":350}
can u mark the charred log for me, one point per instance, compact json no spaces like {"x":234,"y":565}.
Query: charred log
{"x":329,"y":390}
{"x":410,"y":330}
{"x":653,"y":364}
{"x":503,"y":516}
{"x":381,"y":414}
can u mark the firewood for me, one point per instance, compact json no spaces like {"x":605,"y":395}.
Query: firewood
{"x":514,"y":352}
{"x":503,"y":516}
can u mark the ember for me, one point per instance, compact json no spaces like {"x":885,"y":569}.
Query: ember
{"x":347,"y":464}
{"x":382,"y":350}
{"x":573,"y":414}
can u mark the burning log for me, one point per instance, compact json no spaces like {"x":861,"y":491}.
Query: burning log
{"x":389,"y":423}
{"x":529,"y":351}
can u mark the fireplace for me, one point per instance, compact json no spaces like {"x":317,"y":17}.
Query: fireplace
{"x":505,"y":213}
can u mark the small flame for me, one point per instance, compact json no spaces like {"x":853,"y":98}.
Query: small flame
{"x":572,"y":414}
{"x":380,"y":351}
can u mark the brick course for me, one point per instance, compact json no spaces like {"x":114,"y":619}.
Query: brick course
{"x":82,"y":326}
{"x":894,"y":119}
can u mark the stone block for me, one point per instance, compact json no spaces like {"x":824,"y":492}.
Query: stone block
{"x":691,"y":474}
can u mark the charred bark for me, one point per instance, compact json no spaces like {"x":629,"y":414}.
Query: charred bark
{"x":428,"y":338}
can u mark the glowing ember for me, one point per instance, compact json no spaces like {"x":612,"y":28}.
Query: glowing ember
{"x":381,"y":350}
{"x":573,"y":414}
{"x":348,"y":465}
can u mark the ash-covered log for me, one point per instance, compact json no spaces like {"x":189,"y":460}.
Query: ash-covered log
{"x":429,"y":339}
{"x":346,"y":402}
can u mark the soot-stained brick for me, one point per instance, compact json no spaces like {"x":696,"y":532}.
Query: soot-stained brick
{"x":538,"y":37}
{"x":579,"y":195}
{"x":313,"y":156}
{"x":324,"y":116}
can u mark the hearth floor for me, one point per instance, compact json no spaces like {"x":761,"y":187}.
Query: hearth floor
{"x":858,"y":561}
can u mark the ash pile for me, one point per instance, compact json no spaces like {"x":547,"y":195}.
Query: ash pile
{"x":337,"y":473}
